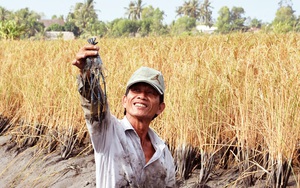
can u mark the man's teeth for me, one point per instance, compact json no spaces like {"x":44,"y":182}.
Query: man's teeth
{"x":140,"y":105}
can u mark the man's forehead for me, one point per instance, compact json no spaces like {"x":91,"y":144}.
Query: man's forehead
{"x":143,"y":84}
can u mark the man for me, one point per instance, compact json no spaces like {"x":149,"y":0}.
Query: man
{"x":128,"y":153}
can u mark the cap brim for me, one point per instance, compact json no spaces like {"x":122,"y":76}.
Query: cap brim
{"x":143,"y":81}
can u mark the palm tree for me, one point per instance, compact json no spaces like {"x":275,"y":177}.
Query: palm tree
{"x":134,"y":10}
{"x":285,"y":3}
{"x":4,"y":14}
{"x":84,"y":14}
{"x":194,"y":9}
{"x":139,"y":8}
{"x":131,"y":12}
{"x":183,"y":10}
{"x":206,"y":13}
{"x":189,"y":8}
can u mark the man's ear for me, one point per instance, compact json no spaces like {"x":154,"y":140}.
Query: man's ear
{"x":161,"y":108}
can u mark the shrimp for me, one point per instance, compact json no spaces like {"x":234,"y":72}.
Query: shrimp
{"x":97,"y":84}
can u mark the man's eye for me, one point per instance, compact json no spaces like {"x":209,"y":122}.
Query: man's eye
{"x":151,"y":92}
{"x":134,"y":89}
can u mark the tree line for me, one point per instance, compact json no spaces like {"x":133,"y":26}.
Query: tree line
{"x":142,"y":20}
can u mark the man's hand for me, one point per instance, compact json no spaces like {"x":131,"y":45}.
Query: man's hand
{"x":86,"y":51}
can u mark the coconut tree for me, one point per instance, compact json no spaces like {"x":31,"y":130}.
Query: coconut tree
{"x":189,"y":8}
{"x":4,"y":14}
{"x":83,"y":16}
{"x":182,"y":10}
{"x":194,"y":9}
{"x":285,"y":3}
{"x":206,"y":13}
{"x":84,"y":12}
{"x":139,"y":8}
{"x":131,"y":11}
{"x":134,"y":10}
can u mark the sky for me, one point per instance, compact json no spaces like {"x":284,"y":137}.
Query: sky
{"x":263,"y":10}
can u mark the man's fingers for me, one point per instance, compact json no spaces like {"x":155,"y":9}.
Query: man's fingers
{"x":81,"y":55}
{"x":90,"y":47}
{"x":75,"y":62}
{"x":78,"y":64}
{"x":86,"y":51}
{"x":84,"y":54}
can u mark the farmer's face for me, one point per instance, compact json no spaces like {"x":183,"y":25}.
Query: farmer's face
{"x":142,"y":102}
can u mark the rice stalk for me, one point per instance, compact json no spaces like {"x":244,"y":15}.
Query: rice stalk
{"x":4,"y":124}
{"x":186,"y":160}
{"x":280,"y":172}
{"x":206,"y":167}
{"x":68,"y":140}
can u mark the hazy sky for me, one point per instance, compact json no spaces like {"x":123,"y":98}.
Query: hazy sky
{"x":109,"y":10}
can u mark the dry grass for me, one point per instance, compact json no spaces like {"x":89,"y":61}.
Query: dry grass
{"x":232,"y":95}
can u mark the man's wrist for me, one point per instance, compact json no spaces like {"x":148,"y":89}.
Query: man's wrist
{"x":81,"y":71}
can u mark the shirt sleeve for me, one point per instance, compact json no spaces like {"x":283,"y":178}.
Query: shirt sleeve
{"x":171,"y":180}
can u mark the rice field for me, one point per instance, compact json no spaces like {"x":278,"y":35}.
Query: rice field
{"x":231,"y":100}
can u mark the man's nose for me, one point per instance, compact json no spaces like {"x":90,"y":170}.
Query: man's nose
{"x":142,"y":95}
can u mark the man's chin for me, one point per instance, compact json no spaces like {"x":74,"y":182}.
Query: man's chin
{"x":141,"y":116}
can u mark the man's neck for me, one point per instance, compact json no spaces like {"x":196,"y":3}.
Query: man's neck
{"x":140,"y":126}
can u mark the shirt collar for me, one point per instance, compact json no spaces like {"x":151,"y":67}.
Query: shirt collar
{"x":156,"y":141}
{"x":126,"y":124}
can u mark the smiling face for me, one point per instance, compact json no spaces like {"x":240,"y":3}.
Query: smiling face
{"x":142,"y":102}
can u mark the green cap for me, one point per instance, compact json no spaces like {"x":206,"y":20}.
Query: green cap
{"x":150,"y":76}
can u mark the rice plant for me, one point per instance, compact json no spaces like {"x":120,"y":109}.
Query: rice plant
{"x":232,"y":101}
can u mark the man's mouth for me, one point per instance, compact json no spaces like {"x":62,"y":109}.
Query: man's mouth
{"x":139,"y":105}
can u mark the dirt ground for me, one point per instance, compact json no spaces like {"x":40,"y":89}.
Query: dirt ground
{"x":33,"y":168}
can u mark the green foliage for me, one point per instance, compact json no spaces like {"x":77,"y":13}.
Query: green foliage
{"x":98,"y":28}
{"x":152,"y":22}
{"x":4,"y":14}
{"x":230,"y":20}
{"x":83,"y":16}
{"x":255,"y":23}
{"x":83,"y":21}
{"x":194,"y":9}
{"x":11,"y":30}
{"x":30,"y":21}
{"x":183,"y":25}
{"x":285,"y":20}
{"x":56,"y":27}
{"x":21,"y":24}
{"x":123,"y":27}
{"x":190,"y":8}
{"x":237,"y":21}
{"x":297,"y":27}
{"x":224,"y":21}
{"x":70,"y":25}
